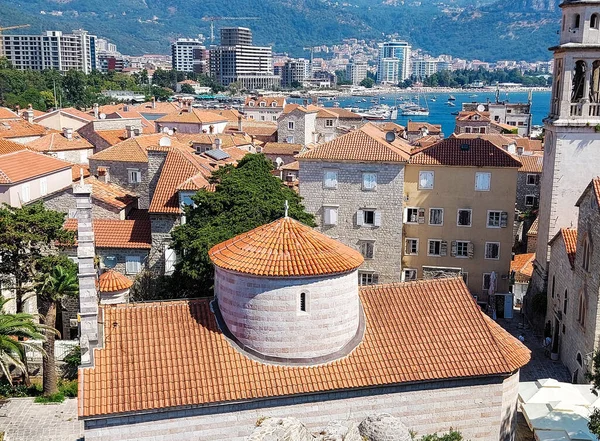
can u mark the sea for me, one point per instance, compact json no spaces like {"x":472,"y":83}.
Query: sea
{"x":439,"y":111}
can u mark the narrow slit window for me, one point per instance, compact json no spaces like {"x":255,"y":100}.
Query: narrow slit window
{"x":303,"y":301}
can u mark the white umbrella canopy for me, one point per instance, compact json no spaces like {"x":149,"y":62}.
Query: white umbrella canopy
{"x":551,"y":391}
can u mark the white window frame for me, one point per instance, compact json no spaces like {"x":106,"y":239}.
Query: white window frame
{"x":25,"y":192}
{"x":371,"y":184}
{"x":412,"y":270}
{"x":330,"y":214}
{"x":291,"y":125}
{"x":440,"y":224}
{"x":43,"y":186}
{"x":374,"y":278}
{"x":466,"y":242}
{"x":423,"y":172}
{"x":328,"y":123}
{"x":416,"y":240}
{"x":534,"y":200}
{"x":485,"y":251}
{"x":470,"y":210}
{"x":131,"y":260}
{"x":134,"y":175}
{"x":289,"y":139}
{"x":334,"y":185}
{"x":489,"y":186}
{"x":170,"y":260}
{"x":407,"y":216}
{"x":487,"y":220}
{"x":429,"y":241}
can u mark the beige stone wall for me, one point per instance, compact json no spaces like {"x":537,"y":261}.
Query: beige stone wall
{"x":483,"y":410}
{"x":453,"y":189}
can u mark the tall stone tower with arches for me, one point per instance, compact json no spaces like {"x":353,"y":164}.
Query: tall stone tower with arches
{"x":572,"y":140}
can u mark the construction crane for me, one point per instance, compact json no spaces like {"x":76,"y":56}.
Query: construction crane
{"x":9,"y":28}
{"x":213,"y":19}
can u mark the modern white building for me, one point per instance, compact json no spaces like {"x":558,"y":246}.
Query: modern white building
{"x":52,"y":50}
{"x":394,"y":62}
{"x":188,"y":55}
{"x":294,"y":70}
{"x":425,"y":67}
{"x":356,"y":71}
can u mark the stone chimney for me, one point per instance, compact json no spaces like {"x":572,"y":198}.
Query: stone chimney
{"x":240,"y":124}
{"x":154,"y":102}
{"x":125,"y":107}
{"x":130,"y":132}
{"x":68,"y":132}
{"x":29,"y":114}
{"x":103,"y":175}
{"x":88,"y":298}
{"x":217,"y":144}
{"x":96,"y":111}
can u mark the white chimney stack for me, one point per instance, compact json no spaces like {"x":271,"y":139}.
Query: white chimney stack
{"x":68,"y":132}
{"x":96,"y":111}
{"x":217,"y":143}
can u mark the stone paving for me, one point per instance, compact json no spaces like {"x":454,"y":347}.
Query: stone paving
{"x":23,"y":420}
{"x":540,"y":365}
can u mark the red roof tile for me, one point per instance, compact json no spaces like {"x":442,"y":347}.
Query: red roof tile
{"x":7,"y":146}
{"x":57,"y":142}
{"x":111,"y":281}
{"x":415,"y":126}
{"x":531,"y":163}
{"x":193,"y":116}
{"x":281,"y":148}
{"x":569,"y":236}
{"x":112,"y":233}
{"x":6,"y":113}
{"x":20,"y":129}
{"x":415,"y":332}
{"x":135,"y":149}
{"x":268,"y":101}
{"x":533,"y":229}
{"x":24,"y":165}
{"x":478,"y":153}
{"x":522,"y":265}
{"x":76,"y":171}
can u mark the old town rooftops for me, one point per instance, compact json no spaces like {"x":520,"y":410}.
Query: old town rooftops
{"x":416,"y":332}
{"x":24,"y":165}
{"x":285,"y":248}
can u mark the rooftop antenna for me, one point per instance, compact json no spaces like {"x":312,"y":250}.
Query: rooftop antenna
{"x":287,"y":206}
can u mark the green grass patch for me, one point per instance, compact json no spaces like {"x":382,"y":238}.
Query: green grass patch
{"x":56,"y":398}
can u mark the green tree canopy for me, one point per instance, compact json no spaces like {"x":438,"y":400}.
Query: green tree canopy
{"x":246,"y":197}
{"x":367,"y":82}
{"x":187,"y":88}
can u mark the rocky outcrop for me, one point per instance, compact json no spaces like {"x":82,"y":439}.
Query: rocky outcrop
{"x":280,"y":429}
{"x":384,"y":427}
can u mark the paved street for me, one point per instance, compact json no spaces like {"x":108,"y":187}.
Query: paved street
{"x":540,"y":365}
{"x":22,"y":420}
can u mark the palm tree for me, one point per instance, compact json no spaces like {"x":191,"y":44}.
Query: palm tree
{"x":52,"y":288}
{"x":15,"y":331}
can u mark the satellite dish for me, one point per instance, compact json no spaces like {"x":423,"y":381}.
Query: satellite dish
{"x":164,"y":142}
{"x":170,"y":132}
{"x":390,"y":136}
{"x":481,"y":108}
{"x":165,"y":130}
{"x":103,"y":116}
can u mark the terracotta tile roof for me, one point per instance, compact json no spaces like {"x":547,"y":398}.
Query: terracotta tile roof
{"x":285,"y":248}
{"x":365,"y":144}
{"x":531,"y":163}
{"x":291,"y":166}
{"x":57,"y":142}
{"x":112,"y":233}
{"x":506,"y":127}
{"x":391,"y":127}
{"x":533,"y":229}
{"x":20,"y":129}
{"x":268,"y":100}
{"x":569,"y":236}
{"x":111,"y":281}
{"x":68,"y":111}
{"x":231,"y":115}
{"x":178,"y":168}
{"x":593,"y":185}
{"x":414,"y":126}
{"x":7,"y":146}
{"x":450,"y":152}
{"x":110,"y":193}
{"x":256,"y":128}
{"x":36,"y":113}
{"x":227,"y":140}
{"x":112,"y":137}
{"x":148,"y":127}
{"x":529,"y":145}
{"x":192,"y":116}
{"x":416,"y":332}
{"x":6,"y":113}
{"x":24,"y":165}
{"x":497,"y":139}
{"x":281,"y":148}
{"x":289,"y":108}
{"x":473,"y":116}
{"x":76,"y":171}
{"x":426,"y":141}
{"x":596,"y":183}
{"x":522,"y":265}
{"x":134,"y":149}
{"x":345,"y":114}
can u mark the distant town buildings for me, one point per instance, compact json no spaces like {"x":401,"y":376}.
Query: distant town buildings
{"x":294,"y":72}
{"x":356,"y":71}
{"x":51,"y":50}
{"x":394,"y":62}
{"x":189,"y":55}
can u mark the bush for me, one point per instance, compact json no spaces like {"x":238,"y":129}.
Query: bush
{"x":56,"y":398}
{"x":68,"y":388}
{"x":19,"y":390}
{"x":72,"y":361}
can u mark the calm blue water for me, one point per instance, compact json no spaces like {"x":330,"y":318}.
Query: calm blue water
{"x":441,"y":113}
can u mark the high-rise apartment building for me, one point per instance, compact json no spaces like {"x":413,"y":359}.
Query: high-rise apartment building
{"x":52,"y":50}
{"x":238,"y":60}
{"x":188,"y":55}
{"x":425,"y":67}
{"x":356,"y":71}
{"x":295,"y":71}
{"x":394,"y":62}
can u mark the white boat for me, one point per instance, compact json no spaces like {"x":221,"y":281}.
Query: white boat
{"x":418,"y":112}
{"x":451,"y":104}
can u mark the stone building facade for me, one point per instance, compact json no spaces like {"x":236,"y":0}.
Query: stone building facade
{"x":297,"y":124}
{"x":119,"y":172}
{"x":528,"y":188}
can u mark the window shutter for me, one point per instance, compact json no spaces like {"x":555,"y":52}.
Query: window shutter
{"x":170,"y":259}
{"x":333,"y":214}
{"x":326,"y":216}
{"x":406,"y":215}
{"x":470,"y":250}
{"x":453,"y":248}
{"x":421,"y":215}
{"x":377,"y":219}
{"x":406,"y":246}
{"x":360,"y":218}
{"x":443,"y":248}
{"x":129,"y":267}
{"x":504,"y":219}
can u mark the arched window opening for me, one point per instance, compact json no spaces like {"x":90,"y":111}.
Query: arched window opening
{"x":594,"y":21}
{"x":586,"y":254}
{"x":565,"y":303}
{"x":582,"y":309}
{"x":576,"y":20}
{"x":578,"y":81}
{"x":579,"y":359}
{"x":595,"y":82}
{"x":303,"y":301}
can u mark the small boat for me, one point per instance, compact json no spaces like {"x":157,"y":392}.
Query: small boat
{"x":415,"y":112}
{"x":473,"y":96}
{"x":451,"y":98}
{"x":455,"y":113}
{"x":451,"y":104}
{"x":433,"y":99}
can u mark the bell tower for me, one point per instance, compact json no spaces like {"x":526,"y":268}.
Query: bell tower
{"x":572,"y":142}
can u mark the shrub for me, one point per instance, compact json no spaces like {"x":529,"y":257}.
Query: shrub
{"x":68,"y":388}
{"x":56,"y":398}
{"x":72,"y":361}
{"x":19,"y":390}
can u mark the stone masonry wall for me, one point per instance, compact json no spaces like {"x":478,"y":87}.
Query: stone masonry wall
{"x":118,"y":173}
{"x":349,"y":197}
{"x":523,"y":189}
{"x":481,"y":409}
{"x":65,"y":201}
{"x":162,"y":225}
{"x":299,"y":128}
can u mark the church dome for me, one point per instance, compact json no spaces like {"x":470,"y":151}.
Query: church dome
{"x":285,"y":248}
{"x":112,"y":281}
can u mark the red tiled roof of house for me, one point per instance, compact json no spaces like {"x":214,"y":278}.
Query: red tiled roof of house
{"x":533,"y":229}
{"x":192,"y":116}
{"x":112,"y":281}
{"x":267,"y":100}
{"x":291,"y":166}
{"x":70,"y":111}
{"x":416,"y":332}
{"x":20,"y":129}
{"x":6,"y":113}
{"x":23,"y":165}
{"x":522,"y":265}
{"x":531,"y":163}
{"x":57,"y":142}
{"x":594,"y":186}
{"x":7,"y":146}
{"x":113,"y":233}
{"x":281,"y":148}
{"x":414,"y":126}
{"x":134,"y":149}
{"x":365,"y":144}
{"x":148,"y":127}
{"x":391,"y":127}
{"x":529,"y":145}
{"x":227,"y":140}
{"x":451,"y":152}
{"x":569,"y":236}
{"x":76,"y":171}
{"x":110,"y":193}
{"x":497,"y":139}
{"x":231,"y":115}
{"x":345,"y":114}
{"x":285,"y":248}
{"x":426,"y":141}
{"x":473,"y":116}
